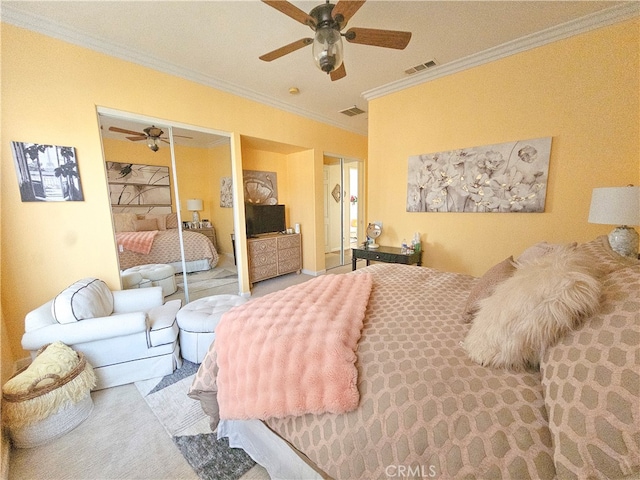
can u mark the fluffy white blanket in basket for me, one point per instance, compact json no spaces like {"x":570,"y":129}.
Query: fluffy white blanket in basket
{"x":55,"y":362}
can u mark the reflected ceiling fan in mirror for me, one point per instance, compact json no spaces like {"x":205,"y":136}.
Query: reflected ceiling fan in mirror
{"x":327,"y":21}
{"x":152,"y":134}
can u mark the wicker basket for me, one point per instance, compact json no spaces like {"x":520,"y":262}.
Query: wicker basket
{"x":37,"y":415}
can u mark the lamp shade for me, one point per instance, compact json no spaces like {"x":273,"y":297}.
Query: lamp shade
{"x":194,"y":205}
{"x":615,"y":206}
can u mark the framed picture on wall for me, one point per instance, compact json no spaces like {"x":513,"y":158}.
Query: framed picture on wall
{"x":47,"y":173}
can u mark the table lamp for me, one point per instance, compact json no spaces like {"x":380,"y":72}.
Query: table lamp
{"x":195,"y":205}
{"x":618,"y":206}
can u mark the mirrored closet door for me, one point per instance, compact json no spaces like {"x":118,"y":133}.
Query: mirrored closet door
{"x":171,"y":212}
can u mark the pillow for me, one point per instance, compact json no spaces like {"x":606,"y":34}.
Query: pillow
{"x":604,"y":257}
{"x":172,"y":220}
{"x":160,"y":218}
{"x":486,"y":285}
{"x":532,"y":309}
{"x":591,"y":386}
{"x":124,"y":222}
{"x":87,"y":298}
{"x":148,"y":224}
{"x":540,"y":249}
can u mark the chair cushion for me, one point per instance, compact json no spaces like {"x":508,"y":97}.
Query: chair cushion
{"x":86,"y":298}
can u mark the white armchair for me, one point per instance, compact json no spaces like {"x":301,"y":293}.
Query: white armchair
{"x":126,"y":335}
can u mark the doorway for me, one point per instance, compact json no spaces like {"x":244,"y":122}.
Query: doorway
{"x":343,"y":209}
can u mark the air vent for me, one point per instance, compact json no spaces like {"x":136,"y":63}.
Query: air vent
{"x":421,"y":67}
{"x":352,"y":112}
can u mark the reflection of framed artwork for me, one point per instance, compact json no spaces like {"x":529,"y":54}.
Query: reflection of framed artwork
{"x":226,"y":192}
{"x":139,"y":188}
{"x":47,"y":173}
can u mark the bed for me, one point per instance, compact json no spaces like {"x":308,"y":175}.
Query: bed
{"x":154,"y":239}
{"x":427,"y":410}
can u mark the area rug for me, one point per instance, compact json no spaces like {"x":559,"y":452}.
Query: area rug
{"x":188,"y":426}
{"x":216,"y":277}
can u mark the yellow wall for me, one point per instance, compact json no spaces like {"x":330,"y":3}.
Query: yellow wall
{"x":50,"y":91}
{"x":582,"y":91}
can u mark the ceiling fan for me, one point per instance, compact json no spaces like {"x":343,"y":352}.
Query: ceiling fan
{"x":151,"y":134}
{"x":327,"y":21}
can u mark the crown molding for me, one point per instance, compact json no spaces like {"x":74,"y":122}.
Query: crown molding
{"x":45,"y":26}
{"x":612,"y":15}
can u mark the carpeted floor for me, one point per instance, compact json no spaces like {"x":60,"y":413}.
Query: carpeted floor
{"x":188,"y":426}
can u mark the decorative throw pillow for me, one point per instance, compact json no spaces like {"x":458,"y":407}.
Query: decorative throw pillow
{"x":146,"y":225}
{"x":172,"y":220}
{"x":124,"y":222}
{"x":540,"y":249}
{"x":591,"y":382}
{"x":161,"y":219}
{"x":604,"y":257}
{"x":532,"y":309}
{"x":485,"y":286}
{"x":87,"y":298}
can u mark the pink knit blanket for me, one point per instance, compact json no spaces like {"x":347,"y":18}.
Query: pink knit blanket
{"x":140,"y":242}
{"x":293,"y":352}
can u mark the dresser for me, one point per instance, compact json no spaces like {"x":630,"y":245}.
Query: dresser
{"x":274,"y":255}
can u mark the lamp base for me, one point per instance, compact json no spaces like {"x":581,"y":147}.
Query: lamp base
{"x":624,"y":241}
{"x":196,"y":217}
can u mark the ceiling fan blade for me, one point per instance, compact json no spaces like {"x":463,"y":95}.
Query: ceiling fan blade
{"x":291,"y":11}
{"x":138,"y":138}
{"x":166,"y":141}
{"x":122,"y":130}
{"x":338,"y":73}
{"x":378,"y":38}
{"x":344,"y":10}
{"x":292,"y":47}
{"x":183,"y":136}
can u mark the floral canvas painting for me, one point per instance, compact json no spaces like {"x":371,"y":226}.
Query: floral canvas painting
{"x":260,"y":187}
{"x":506,"y":177}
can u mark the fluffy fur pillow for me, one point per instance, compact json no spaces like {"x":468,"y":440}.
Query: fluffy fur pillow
{"x":486,"y":285}
{"x":531,"y":310}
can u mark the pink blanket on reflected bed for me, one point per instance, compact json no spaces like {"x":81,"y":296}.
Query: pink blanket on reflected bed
{"x":293,"y":352}
{"x":139,"y":242}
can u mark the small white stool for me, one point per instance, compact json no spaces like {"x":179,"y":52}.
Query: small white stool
{"x":198,"y":321}
{"x":134,"y":280}
{"x":159,"y":274}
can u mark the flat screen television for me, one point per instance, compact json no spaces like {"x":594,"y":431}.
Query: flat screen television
{"x":264,"y":219}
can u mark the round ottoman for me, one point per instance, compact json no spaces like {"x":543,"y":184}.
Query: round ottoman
{"x":197,"y":322}
{"x":134,"y":280}
{"x":159,"y":274}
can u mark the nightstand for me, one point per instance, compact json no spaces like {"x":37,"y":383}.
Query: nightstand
{"x":385,"y":254}
{"x":209,"y":232}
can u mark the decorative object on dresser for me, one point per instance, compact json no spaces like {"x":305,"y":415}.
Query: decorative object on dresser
{"x":195,"y":205}
{"x":618,"y":206}
{"x":274,"y":255}
{"x":374,"y":230}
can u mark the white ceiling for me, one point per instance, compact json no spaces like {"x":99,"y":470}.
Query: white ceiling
{"x":218,"y":43}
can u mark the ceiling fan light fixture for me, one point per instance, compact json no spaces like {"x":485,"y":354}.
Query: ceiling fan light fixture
{"x":328,"y":51}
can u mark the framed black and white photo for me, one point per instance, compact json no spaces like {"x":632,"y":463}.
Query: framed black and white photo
{"x":47,"y":173}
